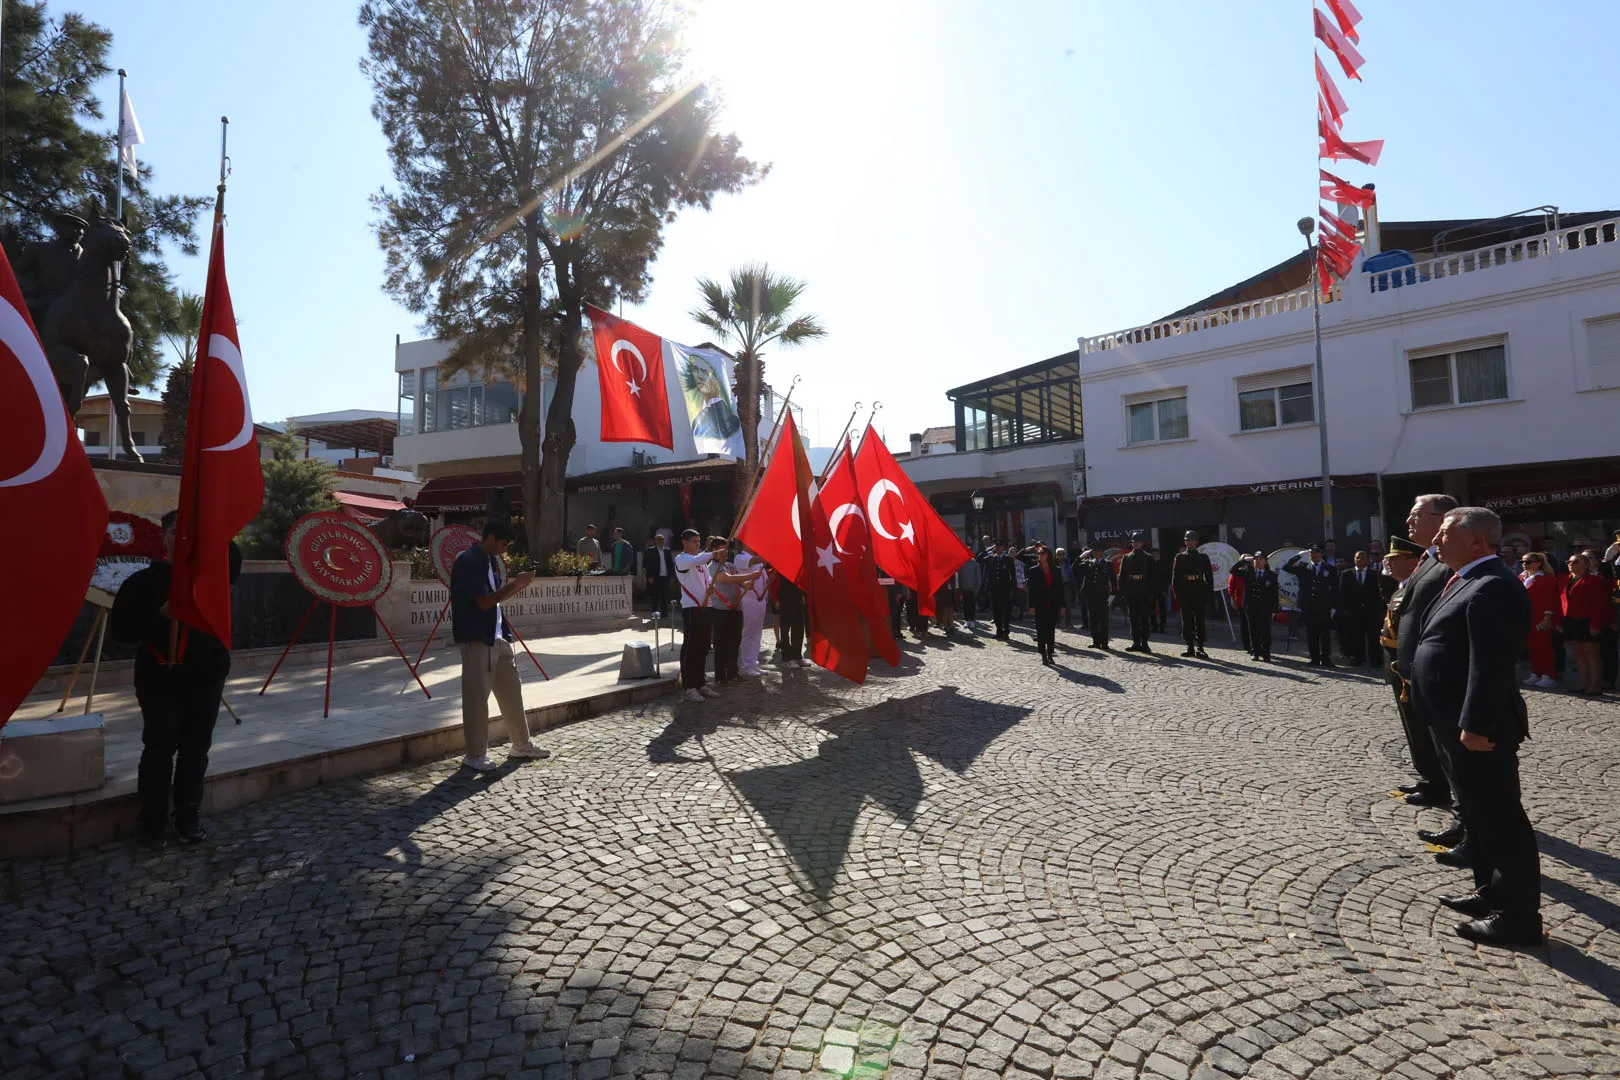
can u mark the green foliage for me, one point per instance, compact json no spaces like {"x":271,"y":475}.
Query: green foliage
{"x":567,"y":564}
{"x":51,"y":160}
{"x":421,"y":559}
{"x":293,"y":487}
{"x":539,"y":148}
{"x":177,"y":390}
{"x":748,"y":313}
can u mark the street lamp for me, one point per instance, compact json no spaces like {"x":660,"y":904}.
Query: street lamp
{"x":977,"y":499}
{"x":1306,"y":227}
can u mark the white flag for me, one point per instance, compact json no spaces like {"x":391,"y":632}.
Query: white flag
{"x":129,"y":135}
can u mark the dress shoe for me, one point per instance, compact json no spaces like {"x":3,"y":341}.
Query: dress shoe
{"x":1202,"y":655}
{"x":190,"y":834}
{"x":1428,"y":798}
{"x":1461,"y":856}
{"x":1471,"y":904}
{"x":1328,"y":663}
{"x":1503,"y":929}
{"x":1191,"y":653}
{"x":1446,"y":838}
{"x":1408,"y":789}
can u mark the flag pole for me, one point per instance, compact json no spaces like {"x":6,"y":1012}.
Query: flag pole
{"x":837,"y":443}
{"x":118,"y":152}
{"x":759,"y":466}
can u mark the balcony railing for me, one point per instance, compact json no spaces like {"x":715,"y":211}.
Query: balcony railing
{"x":1441,"y":266}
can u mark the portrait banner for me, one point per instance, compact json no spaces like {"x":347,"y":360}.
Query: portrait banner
{"x":705,"y":378}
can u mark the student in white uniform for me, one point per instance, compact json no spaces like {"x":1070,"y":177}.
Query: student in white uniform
{"x":696,"y":572}
{"x":753,"y":612}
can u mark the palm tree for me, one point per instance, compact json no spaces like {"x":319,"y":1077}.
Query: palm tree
{"x":182,"y":333}
{"x":749,"y":313}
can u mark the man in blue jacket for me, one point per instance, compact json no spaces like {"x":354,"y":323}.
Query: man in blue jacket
{"x":480,"y":629}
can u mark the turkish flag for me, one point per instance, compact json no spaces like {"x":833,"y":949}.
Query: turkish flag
{"x":1347,"y":15}
{"x":1329,"y":95}
{"x":1331,"y":36}
{"x":630,"y":365}
{"x":912,"y":542}
{"x":221,"y":483}
{"x":1344,"y":192}
{"x":789,"y":530}
{"x":844,"y":509}
{"x":1335,"y":148}
{"x":55,"y":514}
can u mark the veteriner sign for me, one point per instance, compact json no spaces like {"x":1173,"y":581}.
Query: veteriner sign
{"x":547,"y":603}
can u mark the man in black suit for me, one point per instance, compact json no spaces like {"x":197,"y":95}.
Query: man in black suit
{"x":1318,"y":598}
{"x":1361,"y":612}
{"x":658,"y":563}
{"x":1464,"y":680}
{"x":1430,"y":755}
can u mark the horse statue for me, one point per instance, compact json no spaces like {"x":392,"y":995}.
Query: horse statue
{"x":402,"y":529}
{"x":86,"y":337}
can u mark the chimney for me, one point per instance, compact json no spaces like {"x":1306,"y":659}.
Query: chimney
{"x":916,"y":445}
{"x":1373,"y":243}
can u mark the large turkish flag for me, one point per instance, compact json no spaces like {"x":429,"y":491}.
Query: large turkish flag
{"x":54,"y":513}
{"x":630,"y":365}
{"x":909,"y":538}
{"x":852,"y":537}
{"x":221,"y":481}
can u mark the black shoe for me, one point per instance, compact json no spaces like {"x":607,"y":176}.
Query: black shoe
{"x":1202,"y":655}
{"x":192,"y":834}
{"x":1428,"y":798}
{"x":1446,"y":838}
{"x":151,"y":840}
{"x":1192,"y":653}
{"x":1147,"y":650}
{"x":1328,"y":663}
{"x":1461,"y":856}
{"x":1503,"y":929}
{"x":1410,"y":789}
{"x":1471,"y":904}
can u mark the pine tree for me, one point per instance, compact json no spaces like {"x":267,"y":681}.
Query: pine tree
{"x":294,"y":486}
{"x":52,"y":161}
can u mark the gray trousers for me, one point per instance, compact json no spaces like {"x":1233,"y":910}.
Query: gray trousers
{"x":485,"y":668}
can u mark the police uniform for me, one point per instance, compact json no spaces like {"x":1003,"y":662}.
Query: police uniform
{"x":1260,"y":589}
{"x":1193,"y":579}
{"x":1137,"y":571}
{"x":1318,"y":596}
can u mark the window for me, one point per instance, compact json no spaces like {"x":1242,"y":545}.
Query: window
{"x":1603,"y":351}
{"x":407,"y":402}
{"x":1459,"y":378}
{"x":139,"y":436}
{"x":92,"y":438}
{"x":1159,"y":420}
{"x":1276,"y":399}
{"x":430,"y":394}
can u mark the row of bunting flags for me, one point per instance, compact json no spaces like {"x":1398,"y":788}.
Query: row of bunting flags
{"x":54,"y":509}
{"x":1337,"y":246}
{"x":829,"y":537}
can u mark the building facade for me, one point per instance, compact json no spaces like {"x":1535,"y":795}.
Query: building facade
{"x":1492,"y":374}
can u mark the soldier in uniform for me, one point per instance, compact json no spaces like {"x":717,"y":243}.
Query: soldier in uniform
{"x":1095,"y":577}
{"x":1001,"y":575}
{"x":1318,"y":598}
{"x":1137,"y":577}
{"x":1193,"y":579}
{"x":1400,"y":562}
{"x":46,"y":270}
{"x":1259,"y":601}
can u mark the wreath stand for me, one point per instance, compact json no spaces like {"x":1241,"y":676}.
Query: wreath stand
{"x":97,"y":633}
{"x":315,"y":545}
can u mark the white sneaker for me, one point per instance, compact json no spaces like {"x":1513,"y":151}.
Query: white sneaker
{"x":1534,"y":680}
{"x":1549,"y":682}
{"x":802,"y":663}
{"x":532,"y":753}
{"x":693,"y":695}
{"x":752,"y":674}
{"x":708,"y":691}
{"x":479,"y":764}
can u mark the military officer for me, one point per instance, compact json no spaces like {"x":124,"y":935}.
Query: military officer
{"x":1318,"y":599}
{"x":1094,"y":575}
{"x":1193,"y":579}
{"x":1137,"y":574}
{"x":1001,"y":573}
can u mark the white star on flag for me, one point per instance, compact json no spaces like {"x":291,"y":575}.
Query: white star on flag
{"x":908,"y":533}
{"x":826,"y":559}
{"x":129,"y":135}
{"x":635,"y":387}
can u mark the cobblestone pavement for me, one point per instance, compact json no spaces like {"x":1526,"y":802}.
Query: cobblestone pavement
{"x":971,"y":867}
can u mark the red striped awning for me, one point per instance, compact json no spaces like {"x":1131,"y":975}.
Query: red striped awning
{"x":366,"y":508}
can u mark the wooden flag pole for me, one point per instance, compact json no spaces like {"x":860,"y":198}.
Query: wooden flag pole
{"x":764,"y":455}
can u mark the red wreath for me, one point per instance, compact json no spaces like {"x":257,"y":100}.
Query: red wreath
{"x":145,"y":536}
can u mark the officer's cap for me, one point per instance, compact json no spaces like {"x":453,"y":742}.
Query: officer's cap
{"x":1317,"y":549}
{"x":1189,"y":535}
{"x":1138,"y":537}
{"x":65,"y":220}
{"x":1401,"y":547}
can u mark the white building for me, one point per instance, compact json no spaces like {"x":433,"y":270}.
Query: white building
{"x":1488,"y":369}
{"x":460,"y":434}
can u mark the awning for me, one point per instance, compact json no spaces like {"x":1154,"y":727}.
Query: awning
{"x":716,"y":470}
{"x":467,"y":492}
{"x":1230,"y":491}
{"x":366,"y":508}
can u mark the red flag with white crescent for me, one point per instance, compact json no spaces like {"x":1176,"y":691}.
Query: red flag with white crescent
{"x":909,"y":538}
{"x":54,"y":512}
{"x":221,"y":482}
{"x":852,"y":537}
{"x":630,"y":367}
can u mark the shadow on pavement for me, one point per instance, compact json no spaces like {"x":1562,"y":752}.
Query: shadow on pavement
{"x":812,"y":805}
{"x":1599,"y":864}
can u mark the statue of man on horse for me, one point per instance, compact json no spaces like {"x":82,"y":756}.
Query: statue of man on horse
{"x":72,"y":286}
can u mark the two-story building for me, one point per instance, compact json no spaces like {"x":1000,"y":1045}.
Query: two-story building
{"x":1485,"y":363}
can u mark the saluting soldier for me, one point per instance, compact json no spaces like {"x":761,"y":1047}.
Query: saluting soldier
{"x":1001,"y":573}
{"x":1095,"y":577}
{"x":1260,"y":588}
{"x":1402,"y":560}
{"x":1193,"y":579}
{"x":1137,"y":574}
{"x":1318,"y":599}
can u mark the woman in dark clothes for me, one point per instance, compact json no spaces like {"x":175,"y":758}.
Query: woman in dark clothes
{"x":1046,"y":601}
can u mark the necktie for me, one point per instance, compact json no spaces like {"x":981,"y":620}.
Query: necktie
{"x":1449,"y":583}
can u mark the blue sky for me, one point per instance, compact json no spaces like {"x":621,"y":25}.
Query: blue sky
{"x":965,"y":187}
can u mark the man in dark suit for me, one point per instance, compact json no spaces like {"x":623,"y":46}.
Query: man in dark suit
{"x":1464,"y":680}
{"x":1002,"y":576}
{"x":1318,"y":598}
{"x":658,"y":563}
{"x":1430,"y":757}
{"x":1361,"y":612}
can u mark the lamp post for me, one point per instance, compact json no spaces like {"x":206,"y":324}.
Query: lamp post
{"x":977,"y":499}
{"x":1306,"y":227}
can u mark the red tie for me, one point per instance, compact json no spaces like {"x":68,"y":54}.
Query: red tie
{"x":1454,"y":579}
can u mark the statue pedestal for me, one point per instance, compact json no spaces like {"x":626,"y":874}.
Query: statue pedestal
{"x":42,"y":758}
